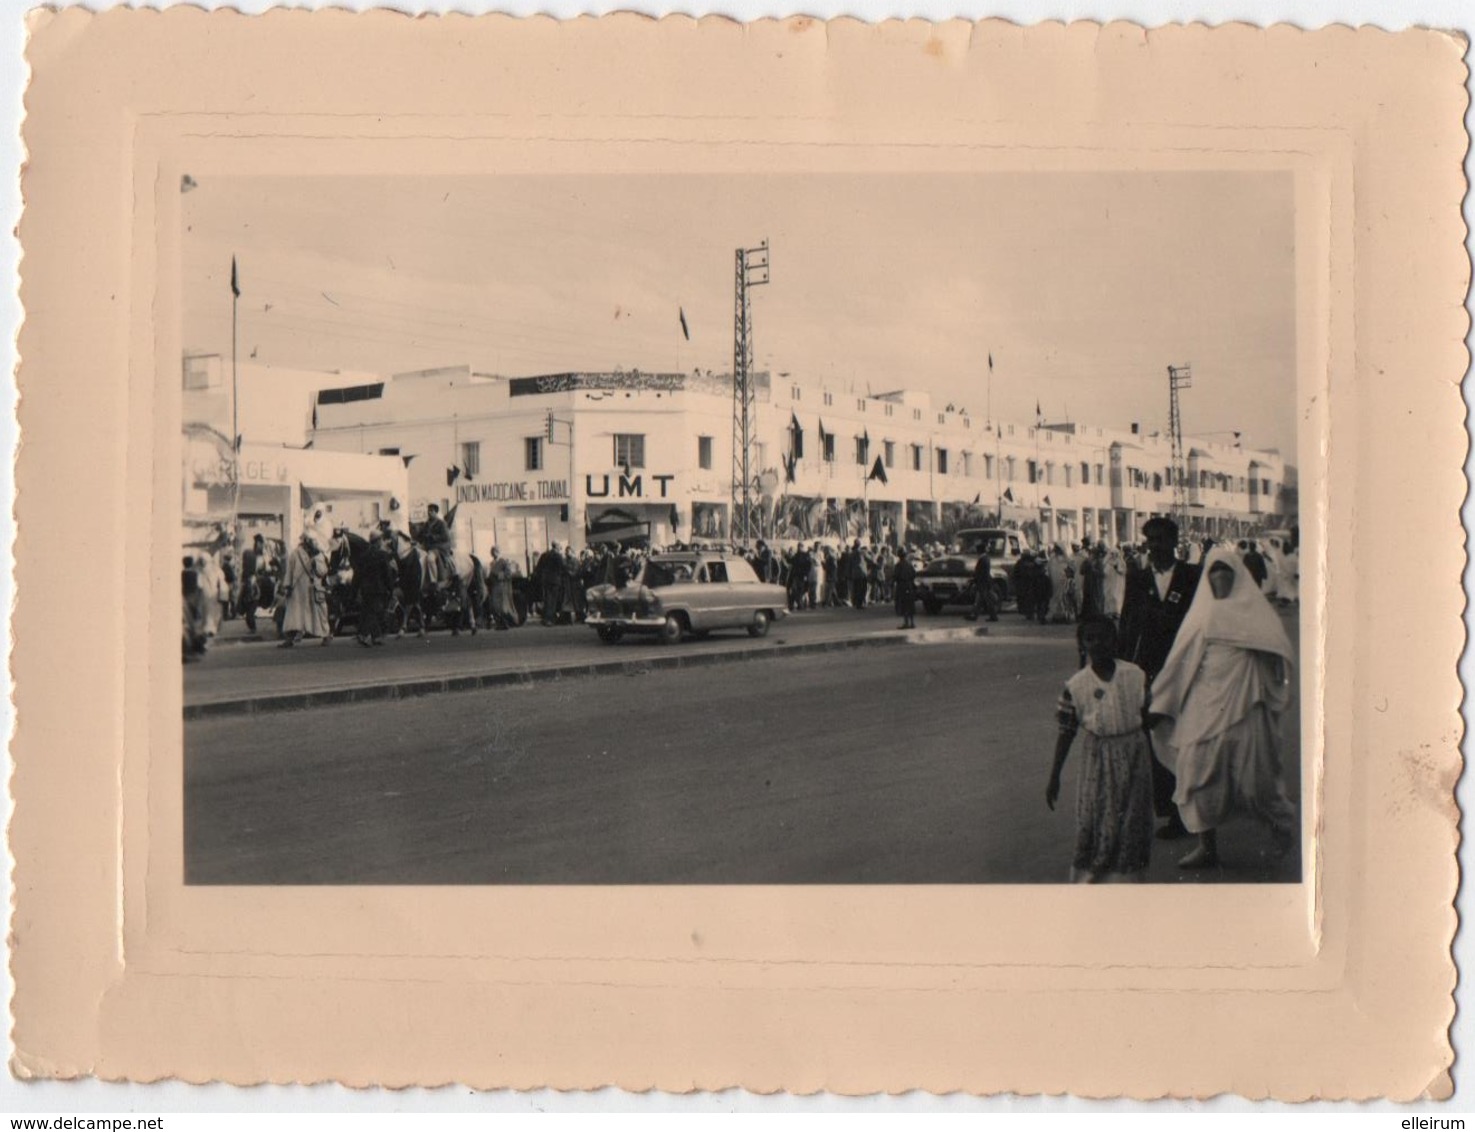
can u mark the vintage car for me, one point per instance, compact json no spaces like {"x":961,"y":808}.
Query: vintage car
{"x":949,"y":580}
{"x":695,"y":592}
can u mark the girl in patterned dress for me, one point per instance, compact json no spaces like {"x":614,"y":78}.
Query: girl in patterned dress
{"x":1107,"y":699}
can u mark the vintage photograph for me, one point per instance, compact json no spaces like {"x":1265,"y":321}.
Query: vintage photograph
{"x":787,"y":529}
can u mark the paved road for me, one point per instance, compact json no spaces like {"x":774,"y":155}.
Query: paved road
{"x":921,"y":764}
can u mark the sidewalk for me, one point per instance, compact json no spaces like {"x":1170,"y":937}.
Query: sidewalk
{"x":249,"y":677}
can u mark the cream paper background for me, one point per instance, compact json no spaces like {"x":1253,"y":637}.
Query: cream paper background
{"x":1340,"y":987}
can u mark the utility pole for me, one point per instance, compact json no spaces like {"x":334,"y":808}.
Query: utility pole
{"x":1179,"y":377}
{"x":751,"y":271}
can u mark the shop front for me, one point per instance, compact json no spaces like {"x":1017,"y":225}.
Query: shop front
{"x":276,"y":491}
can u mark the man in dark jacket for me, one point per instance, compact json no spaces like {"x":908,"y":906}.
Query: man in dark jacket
{"x":1255,"y":563}
{"x":984,"y":598}
{"x":548,"y":576}
{"x":799,"y":567}
{"x":858,"y":576}
{"x":1155,"y":601}
{"x":375,"y":577}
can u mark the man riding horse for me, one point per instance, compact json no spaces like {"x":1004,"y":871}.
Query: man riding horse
{"x":434,"y":576}
{"x":435,"y":536}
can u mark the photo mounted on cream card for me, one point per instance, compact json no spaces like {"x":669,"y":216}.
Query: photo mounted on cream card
{"x":734,"y":575}
{"x":575,"y":534}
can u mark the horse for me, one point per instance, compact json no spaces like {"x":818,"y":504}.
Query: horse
{"x":460,"y":597}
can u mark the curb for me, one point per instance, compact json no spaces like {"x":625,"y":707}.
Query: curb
{"x":520,"y":677}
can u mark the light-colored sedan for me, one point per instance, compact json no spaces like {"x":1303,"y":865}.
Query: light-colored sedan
{"x":695,"y":592}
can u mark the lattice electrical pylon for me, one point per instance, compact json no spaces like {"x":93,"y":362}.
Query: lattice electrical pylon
{"x":752,"y":271}
{"x":1179,"y":377}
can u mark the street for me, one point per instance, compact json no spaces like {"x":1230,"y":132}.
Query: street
{"x":924,"y":763}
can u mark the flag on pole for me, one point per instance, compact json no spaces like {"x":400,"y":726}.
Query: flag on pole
{"x":235,"y":283}
{"x":685,"y":333}
{"x":796,"y":436}
{"x":1039,"y":412}
{"x":878,"y":471}
{"x":789,"y":468}
{"x":407,"y":460}
{"x":453,"y":473}
{"x":1047,"y":502}
{"x":1008,"y":495}
{"x":977,"y":499}
{"x":990,"y":362}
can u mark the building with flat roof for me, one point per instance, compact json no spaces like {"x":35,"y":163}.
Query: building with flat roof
{"x":269,"y":480}
{"x":622,"y":454}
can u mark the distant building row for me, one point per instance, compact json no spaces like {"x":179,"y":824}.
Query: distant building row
{"x":574,"y":456}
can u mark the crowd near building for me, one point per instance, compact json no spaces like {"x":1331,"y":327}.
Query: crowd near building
{"x":626,"y":455}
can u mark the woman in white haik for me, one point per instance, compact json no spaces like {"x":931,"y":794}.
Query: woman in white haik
{"x":1216,"y":708}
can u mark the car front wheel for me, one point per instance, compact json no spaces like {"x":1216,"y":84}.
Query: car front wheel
{"x":671,"y":630}
{"x":759,"y":627}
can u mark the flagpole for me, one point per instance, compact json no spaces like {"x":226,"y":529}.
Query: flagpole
{"x":235,"y":405}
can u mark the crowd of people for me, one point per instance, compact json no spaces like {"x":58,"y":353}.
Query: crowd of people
{"x":1180,"y":697}
{"x":296,"y":589}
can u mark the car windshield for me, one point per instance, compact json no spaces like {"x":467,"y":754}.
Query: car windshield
{"x":990,"y":544}
{"x":660,"y":573}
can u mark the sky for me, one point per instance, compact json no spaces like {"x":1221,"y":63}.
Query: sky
{"x":1083,"y":287}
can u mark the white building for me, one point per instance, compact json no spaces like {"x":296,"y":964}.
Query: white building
{"x":272,"y":479}
{"x":575,"y":456}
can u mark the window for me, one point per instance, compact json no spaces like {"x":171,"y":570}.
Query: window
{"x":704,"y":452}
{"x":1009,"y":468}
{"x":1265,"y":487}
{"x":1100,"y":474}
{"x":862,"y":450}
{"x":888,"y":409}
{"x":1011,"y":430}
{"x":796,"y":442}
{"x":532,"y":448}
{"x":860,"y":404}
{"x":942,"y":418}
{"x":471,"y":458}
{"x":942,"y":461}
{"x":1086,"y":473}
{"x":1068,"y":472}
{"x":716,"y":571}
{"x":916,"y":457}
{"x":916,"y":414}
{"x":829,"y":400}
{"x":202,"y":372}
{"x":967,"y":464}
{"x":795,"y":392}
{"x":829,"y":447}
{"x":630,"y":449}
{"x":988,"y":466}
{"x":888,"y":452}
{"x":389,"y":451}
{"x":1031,"y":471}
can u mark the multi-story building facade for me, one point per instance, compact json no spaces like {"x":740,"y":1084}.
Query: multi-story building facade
{"x":578,"y":455}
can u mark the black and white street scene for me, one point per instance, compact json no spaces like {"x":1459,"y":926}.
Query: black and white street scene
{"x":776,"y":529}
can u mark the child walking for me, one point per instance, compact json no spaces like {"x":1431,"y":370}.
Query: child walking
{"x":1107,"y":699}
